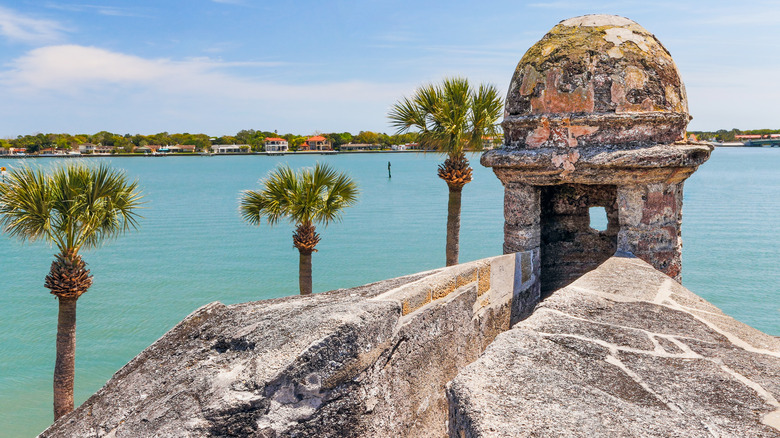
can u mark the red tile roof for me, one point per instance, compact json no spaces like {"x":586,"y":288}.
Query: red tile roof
{"x":316,"y":138}
{"x":274,"y":139}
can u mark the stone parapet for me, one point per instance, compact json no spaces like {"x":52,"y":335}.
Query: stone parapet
{"x":367,"y":361}
{"x":622,"y":351}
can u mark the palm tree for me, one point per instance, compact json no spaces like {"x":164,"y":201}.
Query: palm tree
{"x":450,"y":117}
{"x":74,"y":207}
{"x":305,"y":198}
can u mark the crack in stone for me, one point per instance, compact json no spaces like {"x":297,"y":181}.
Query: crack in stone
{"x":693,"y":309}
{"x":606,"y":295}
{"x":664,"y":292}
{"x":652,"y":335}
{"x":610,"y":346}
{"x":771,"y":419}
{"x":613,"y":360}
{"x":735,"y":340}
{"x":663,"y":296}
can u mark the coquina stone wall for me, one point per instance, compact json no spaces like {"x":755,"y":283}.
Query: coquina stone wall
{"x":623,"y":351}
{"x":595,"y":117}
{"x":368,"y":361}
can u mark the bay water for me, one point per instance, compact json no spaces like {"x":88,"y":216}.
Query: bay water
{"x":192,"y":248}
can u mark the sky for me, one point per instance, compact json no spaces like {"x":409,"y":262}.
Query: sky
{"x":305,"y":66}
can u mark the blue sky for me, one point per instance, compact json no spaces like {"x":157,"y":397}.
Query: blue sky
{"x":219,"y":66}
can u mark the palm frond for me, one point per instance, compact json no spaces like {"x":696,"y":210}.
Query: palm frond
{"x":342,"y":193}
{"x":405,"y":115}
{"x":311,"y":195}
{"x":486,"y":106}
{"x":25,"y":200}
{"x":273,"y":200}
{"x":75,"y":206}
{"x":449,"y":116}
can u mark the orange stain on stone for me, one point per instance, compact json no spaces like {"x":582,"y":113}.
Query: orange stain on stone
{"x":581,"y":99}
{"x":539,"y":135}
{"x":580,"y":130}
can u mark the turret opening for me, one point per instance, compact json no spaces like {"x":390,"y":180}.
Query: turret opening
{"x":570,"y":245}
{"x":598,"y":218}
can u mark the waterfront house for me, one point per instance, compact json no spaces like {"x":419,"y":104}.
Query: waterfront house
{"x":186,"y":148}
{"x":146,"y":149}
{"x":87,"y":148}
{"x":490,"y":142}
{"x":100,"y":149}
{"x":360,"y":147}
{"x":418,"y":147}
{"x":226,"y":148}
{"x":275,"y":144}
{"x":316,"y":143}
{"x":51,"y":151}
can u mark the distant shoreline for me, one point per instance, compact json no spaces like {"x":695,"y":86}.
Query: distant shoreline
{"x":272,"y":154}
{"x":275,"y":154}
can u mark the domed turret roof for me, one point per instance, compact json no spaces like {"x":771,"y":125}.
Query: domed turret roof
{"x":596,"y":79}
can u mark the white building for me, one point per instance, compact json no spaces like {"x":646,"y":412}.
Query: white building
{"x":226,"y":148}
{"x":274,"y":144}
{"x":87,"y":148}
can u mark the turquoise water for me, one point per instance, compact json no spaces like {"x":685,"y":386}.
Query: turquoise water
{"x":192,"y":249}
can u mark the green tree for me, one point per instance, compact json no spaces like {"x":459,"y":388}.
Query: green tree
{"x":305,"y":198}
{"x":75,"y":207}
{"x":247,"y":136}
{"x":294,"y":141}
{"x":337,"y":139}
{"x":65,"y":141}
{"x":450,"y":117}
{"x":367,"y":137}
{"x":103,"y":137}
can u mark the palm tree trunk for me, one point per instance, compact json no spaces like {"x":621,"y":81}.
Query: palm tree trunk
{"x":305,"y":238}
{"x":304,"y":273}
{"x":456,"y":172}
{"x":453,"y":226}
{"x":64,"y":367}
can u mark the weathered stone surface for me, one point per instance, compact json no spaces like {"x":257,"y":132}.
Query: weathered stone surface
{"x":570,"y":246}
{"x":598,"y":164}
{"x":623,"y":351}
{"x":595,"y":64}
{"x":597,"y":111}
{"x":369,"y":361}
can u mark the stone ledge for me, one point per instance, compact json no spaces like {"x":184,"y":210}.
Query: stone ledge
{"x":623,"y":351}
{"x":606,"y":164}
{"x":367,"y":361}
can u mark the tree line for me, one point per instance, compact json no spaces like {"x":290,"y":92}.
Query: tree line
{"x":202,"y":142}
{"x":723,"y":135}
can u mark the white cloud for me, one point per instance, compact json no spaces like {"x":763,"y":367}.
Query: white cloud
{"x":73,"y":88}
{"x":18,"y":27}
{"x":74,"y":69}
